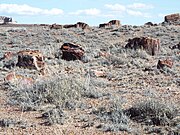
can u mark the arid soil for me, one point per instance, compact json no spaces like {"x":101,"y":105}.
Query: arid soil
{"x":99,"y":94}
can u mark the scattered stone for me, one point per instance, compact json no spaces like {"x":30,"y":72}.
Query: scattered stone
{"x":13,"y":78}
{"x":96,"y":73}
{"x":8,"y":55}
{"x":150,"y":45}
{"x":72,"y":51}
{"x":31,"y":59}
{"x":175,"y":46}
{"x":163,"y":63}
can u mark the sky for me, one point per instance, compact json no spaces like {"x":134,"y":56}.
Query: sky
{"x":93,"y":12}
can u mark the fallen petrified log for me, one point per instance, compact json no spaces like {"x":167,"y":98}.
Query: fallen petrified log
{"x":32,"y":59}
{"x":150,"y":45}
{"x":165,"y":63}
{"x":71,"y":51}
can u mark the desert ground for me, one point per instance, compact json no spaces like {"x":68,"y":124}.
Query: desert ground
{"x":110,"y":90}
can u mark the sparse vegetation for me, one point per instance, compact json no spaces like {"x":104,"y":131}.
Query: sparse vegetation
{"x":71,"y":99}
{"x":152,"y":112}
{"x":57,"y":91}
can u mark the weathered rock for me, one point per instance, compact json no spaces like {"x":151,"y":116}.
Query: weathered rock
{"x":56,"y":26}
{"x":172,"y":18}
{"x":82,"y":25}
{"x":152,"y":46}
{"x":150,"y":24}
{"x":104,"y":25}
{"x":69,"y":26}
{"x":13,"y":78}
{"x":96,"y":73}
{"x":114,"y":23}
{"x":6,"y":20}
{"x":71,"y":51}
{"x":110,"y":24}
{"x":175,"y":46}
{"x":163,"y":63}
{"x":8,"y":55}
{"x":32,"y":59}
{"x":77,"y":25}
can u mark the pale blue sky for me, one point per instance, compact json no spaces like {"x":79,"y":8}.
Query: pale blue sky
{"x":93,"y":12}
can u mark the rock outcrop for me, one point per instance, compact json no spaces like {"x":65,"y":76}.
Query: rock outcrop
{"x":172,"y":18}
{"x":71,"y":51}
{"x":112,"y":23}
{"x":81,"y":25}
{"x":31,"y":59}
{"x":150,"y":45}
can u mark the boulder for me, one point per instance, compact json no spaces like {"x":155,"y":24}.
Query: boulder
{"x":150,"y":45}
{"x":71,"y":51}
{"x":165,"y":63}
{"x":31,"y":59}
{"x":172,"y":17}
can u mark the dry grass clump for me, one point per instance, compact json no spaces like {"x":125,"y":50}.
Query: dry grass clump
{"x":112,"y":118}
{"x":56,"y":91}
{"x":152,"y":112}
{"x":54,"y":116}
{"x":9,"y":122}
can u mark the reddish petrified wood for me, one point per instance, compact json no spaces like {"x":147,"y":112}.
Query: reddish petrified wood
{"x":172,"y":17}
{"x":110,"y":23}
{"x":163,"y":63}
{"x":152,"y":46}
{"x":14,"y":78}
{"x":32,"y":59}
{"x":71,"y":51}
{"x":56,"y":26}
{"x":82,"y":25}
